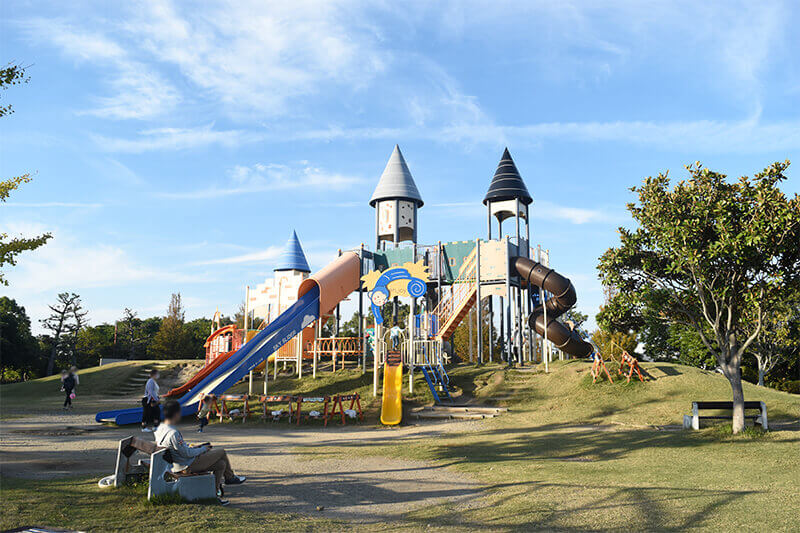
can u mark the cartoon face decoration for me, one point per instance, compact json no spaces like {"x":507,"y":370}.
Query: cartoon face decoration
{"x":379,"y":296}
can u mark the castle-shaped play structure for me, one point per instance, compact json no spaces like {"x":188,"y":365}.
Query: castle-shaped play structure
{"x":443,"y":284}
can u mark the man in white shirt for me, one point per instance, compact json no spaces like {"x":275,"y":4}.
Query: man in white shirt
{"x":194,"y":459}
{"x":151,"y":414}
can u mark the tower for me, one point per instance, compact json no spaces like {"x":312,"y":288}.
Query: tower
{"x":508,"y":197}
{"x":292,"y":257}
{"x":396,"y":200}
{"x":269,"y":299}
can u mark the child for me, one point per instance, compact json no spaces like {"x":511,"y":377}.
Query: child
{"x":204,"y":412}
{"x":150,"y":410}
{"x":68,"y":384}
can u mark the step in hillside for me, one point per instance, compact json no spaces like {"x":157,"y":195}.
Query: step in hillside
{"x":136,"y":383}
{"x":450,"y":412}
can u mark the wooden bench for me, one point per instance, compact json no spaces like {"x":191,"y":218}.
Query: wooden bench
{"x":191,"y":487}
{"x":693,"y":420}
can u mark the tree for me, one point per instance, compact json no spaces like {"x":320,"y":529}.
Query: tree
{"x":575,"y":317}
{"x":613,"y":343}
{"x":18,"y":350}
{"x":172,"y":340}
{"x":131,"y":333}
{"x":778,"y":338}
{"x":60,"y":322}
{"x":94,"y":343}
{"x":716,"y":256}
{"x":79,"y":321}
{"x":197,"y":331}
{"x":11,"y":247}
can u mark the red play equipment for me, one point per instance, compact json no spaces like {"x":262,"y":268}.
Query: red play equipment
{"x":598,"y":367}
{"x":633,"y":364}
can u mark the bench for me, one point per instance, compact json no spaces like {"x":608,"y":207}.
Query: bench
{"x":693,"y":420}
{"x":191,"y":487}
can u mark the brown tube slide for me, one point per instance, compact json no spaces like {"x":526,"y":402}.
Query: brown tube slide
{"x":563,"y":298}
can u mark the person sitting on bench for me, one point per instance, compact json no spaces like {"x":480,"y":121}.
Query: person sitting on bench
{"x":193,"y":459}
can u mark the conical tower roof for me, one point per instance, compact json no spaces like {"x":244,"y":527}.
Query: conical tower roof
{"x":507,"y":184}
{"x":292,"y":257}
{"x":396,"y":182}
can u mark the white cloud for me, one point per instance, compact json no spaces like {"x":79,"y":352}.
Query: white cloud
{"x":175,"y":139}
{"x":136,"y":90}
{"x":575,"y":215}
{"x":269,"y":254}
{"x":270,"y":177}
{"x":66,"y":263}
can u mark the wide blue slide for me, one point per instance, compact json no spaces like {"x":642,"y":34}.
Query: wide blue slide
{"x":277,"y":333}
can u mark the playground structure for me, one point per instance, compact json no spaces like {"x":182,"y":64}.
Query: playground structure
{"x":443,"y":283}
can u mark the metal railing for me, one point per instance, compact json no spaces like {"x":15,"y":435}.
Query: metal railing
{"x":461,"y":289}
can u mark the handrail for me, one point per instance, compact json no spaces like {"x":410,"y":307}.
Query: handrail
{"x":461,"y":289}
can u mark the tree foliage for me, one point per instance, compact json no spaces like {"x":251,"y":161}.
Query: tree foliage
{"x":18,"y":348}
{"x":11,"y":247}
{"x":172,"y":340}
{"x":713,"y":255}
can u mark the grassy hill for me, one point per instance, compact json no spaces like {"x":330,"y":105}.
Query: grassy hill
{"x":99,"y":385}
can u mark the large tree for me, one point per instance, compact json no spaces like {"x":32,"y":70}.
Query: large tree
{"x":18,"y":349}
{"x":11,"y":247}
{"x":172,"y":340}
{"x":716,"y":255}
{"x":61,"y":323}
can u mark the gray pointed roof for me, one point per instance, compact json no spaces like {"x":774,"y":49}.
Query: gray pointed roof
{"x":507,"y":184}
{"x":292,"y":257}
{"x":396,"y":182}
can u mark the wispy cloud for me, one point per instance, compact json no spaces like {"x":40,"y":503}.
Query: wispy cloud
{"x":544,"y":210}
{"x":136,"y":91}
{"x":67,"y":263}
{"x":262,"y":256}
{"x":176,"y":139}
{"x":271,"y":177}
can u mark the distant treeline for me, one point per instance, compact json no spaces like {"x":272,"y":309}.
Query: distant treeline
{"x":70,"y":340}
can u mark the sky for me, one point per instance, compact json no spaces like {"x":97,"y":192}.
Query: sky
{"x":175,"y":146}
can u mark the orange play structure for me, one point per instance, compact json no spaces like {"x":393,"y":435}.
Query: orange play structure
{"x":633,"y":366}
{"x":598,"y":367}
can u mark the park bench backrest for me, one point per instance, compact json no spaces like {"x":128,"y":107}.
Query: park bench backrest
{"x":726,"y":405}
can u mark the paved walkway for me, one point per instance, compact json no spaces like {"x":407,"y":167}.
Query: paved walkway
{"x":286,"y":468}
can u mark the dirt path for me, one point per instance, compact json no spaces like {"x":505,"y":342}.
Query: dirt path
{"x":285,"y":473}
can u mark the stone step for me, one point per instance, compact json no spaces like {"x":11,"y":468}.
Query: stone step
{"x":451,"y":416}
{"x":472,"y":409}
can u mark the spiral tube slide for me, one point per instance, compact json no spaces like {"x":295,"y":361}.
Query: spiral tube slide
{"x":563,"y":299}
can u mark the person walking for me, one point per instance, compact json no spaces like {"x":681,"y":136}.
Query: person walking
{"x":151,"y":413}
{"x":68,"y":385}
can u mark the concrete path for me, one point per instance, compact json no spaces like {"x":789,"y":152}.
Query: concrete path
{"x":285,"y":467}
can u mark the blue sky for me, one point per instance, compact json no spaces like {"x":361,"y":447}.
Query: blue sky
{"x":175,"y":147}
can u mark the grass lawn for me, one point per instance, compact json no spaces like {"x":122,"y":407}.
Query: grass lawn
{"x":573,"y":455}
{"x":569,"y":455}
{"x":98,"y":385}
{"x":82,"y":505}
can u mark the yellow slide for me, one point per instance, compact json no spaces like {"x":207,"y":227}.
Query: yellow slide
{"x":392,"y":407}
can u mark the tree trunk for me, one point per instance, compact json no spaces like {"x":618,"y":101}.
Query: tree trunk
{"x":735,"y":380}
{"x":760,"y":374}
{"x":52,"y":360}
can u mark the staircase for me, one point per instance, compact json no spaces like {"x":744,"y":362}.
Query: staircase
{"x":459,"y":300}
{"x":137,"y":382}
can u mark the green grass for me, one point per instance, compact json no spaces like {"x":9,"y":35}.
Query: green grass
{"x":569,"y":455}
{"x":44,"y":394}
{"x":81,"y":505}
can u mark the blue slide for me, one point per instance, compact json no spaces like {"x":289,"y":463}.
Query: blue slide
{"x":289,"y":324}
